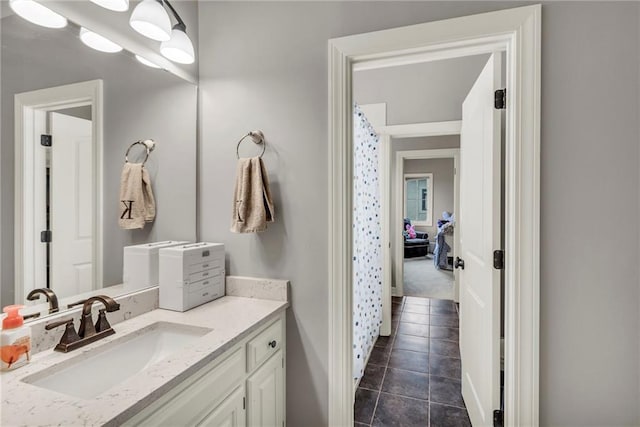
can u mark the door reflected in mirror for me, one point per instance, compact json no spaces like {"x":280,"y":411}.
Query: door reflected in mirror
{"x":58,"y":144}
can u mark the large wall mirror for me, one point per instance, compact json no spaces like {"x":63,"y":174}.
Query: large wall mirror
{"x":69,"y":116}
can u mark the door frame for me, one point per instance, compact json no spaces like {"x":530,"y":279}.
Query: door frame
{"x":517,"y":32}
{"x":27,"y":130}
{"x":401,"y":156}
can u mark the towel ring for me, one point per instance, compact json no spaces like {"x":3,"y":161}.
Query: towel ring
{"x":257,"y":137}
{"x":149,"y":145}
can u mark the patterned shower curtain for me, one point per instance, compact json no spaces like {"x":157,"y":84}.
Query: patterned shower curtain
{"x":367,"y":248}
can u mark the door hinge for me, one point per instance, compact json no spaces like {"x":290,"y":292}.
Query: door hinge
{"x":498,"y":418}
{"x":46,"y":140}
{"x":244,"y":403}
{"x":45,"y":236}
{"x":500,"y":99}
{"x":498,"y":259}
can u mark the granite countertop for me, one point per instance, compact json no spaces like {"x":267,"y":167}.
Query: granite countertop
{"x":230,"y":319}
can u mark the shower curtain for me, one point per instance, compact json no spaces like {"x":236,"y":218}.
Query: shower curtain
{"x":367,"y":248}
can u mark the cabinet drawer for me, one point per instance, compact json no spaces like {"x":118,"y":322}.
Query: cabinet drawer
{"x":206,"y":291}
{"x":192,"y":400}
{"x":205,"y":274}
{"x":200,"y":255}
{"x":260,"y":348}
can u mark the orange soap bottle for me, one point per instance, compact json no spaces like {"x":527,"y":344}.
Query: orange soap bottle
{"x":15,"y":339}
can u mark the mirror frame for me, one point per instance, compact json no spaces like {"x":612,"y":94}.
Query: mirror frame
{"x":26,"y":136}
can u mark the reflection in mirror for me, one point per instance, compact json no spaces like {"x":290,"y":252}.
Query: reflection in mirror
{"x":69,"y":114}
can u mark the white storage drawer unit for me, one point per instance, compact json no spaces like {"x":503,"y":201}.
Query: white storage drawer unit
{"x":191,"y":275}
{"x":140,"y":264}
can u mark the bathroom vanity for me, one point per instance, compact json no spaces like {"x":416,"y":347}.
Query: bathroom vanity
{"x":222,"y":363}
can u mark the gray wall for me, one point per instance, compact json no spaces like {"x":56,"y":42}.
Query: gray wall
{"x":427,"y":92}
{"x":270,"y":73}
{"x":139,"y":103}
{"x":442,"y":170}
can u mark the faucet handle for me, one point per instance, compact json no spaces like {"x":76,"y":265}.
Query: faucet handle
{"x":102,"y":324}
{"x":60,"y":322}
{"x":70,"y":335}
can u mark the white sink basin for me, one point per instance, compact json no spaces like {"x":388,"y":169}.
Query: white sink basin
{"x":98,"y":370}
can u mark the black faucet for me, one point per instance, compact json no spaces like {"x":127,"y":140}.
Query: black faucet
{"x":88,"y":332}
{"x":49,"y":295}
{"x":87,"y":327}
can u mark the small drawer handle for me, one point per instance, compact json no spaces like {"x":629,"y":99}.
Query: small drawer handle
{"x":273,"y":344}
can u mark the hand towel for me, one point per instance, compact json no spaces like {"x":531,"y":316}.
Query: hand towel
{"x":252,"y":203}
{"x":137,"y":204}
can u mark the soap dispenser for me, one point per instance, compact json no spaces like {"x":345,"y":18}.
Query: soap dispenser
{"x":15,"y":339}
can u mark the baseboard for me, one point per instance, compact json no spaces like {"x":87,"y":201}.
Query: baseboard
{"x":356,"y":381}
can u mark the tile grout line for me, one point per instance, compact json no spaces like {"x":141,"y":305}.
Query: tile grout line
{"x":386,"y":367}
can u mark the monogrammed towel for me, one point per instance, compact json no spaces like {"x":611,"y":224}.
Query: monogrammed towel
{"x":252,"y":203}
{"x":137,"y":204}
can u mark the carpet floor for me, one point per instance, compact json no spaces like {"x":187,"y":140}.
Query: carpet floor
{"x":422,"y":279}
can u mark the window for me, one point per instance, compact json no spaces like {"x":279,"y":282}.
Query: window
{"x":418,"y":198}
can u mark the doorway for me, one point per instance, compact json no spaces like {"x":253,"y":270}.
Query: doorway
{"x":427,"y":273}
{"x":481,"y":34}
{"x":58,"y":189}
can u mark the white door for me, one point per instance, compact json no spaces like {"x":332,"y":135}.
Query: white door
{"x":265,"y":393}
{"x":230,"y":413}
{"x":71,"y":201}
{"x":479,"y":237}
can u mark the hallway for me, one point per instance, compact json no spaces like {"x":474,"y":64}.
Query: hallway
{"x":413,"y":376}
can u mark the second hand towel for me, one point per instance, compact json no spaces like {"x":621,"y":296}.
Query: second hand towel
{"x":137,"y":204}
{"x":252,"y":203}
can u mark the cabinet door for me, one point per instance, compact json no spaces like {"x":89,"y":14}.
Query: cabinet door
{"x":265,"y":391}
{"x":230,"y":413}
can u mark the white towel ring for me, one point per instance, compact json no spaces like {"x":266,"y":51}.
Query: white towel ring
{"x":257,"y":137}
{"x":149,"y":145}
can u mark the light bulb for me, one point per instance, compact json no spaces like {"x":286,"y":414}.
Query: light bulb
{"x":150,"y":19}
{"x":146,"y":62}
{"x":37,"y":14}
{"x":179,"y":48}
{"x":98,"y":42}
{"x":115,"y":5}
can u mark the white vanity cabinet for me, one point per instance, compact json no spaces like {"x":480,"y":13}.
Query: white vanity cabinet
{"x":265,"y":394}
{"x":244,"y":386}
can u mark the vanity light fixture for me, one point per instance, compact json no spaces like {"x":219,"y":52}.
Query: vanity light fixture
{"x":115,"y":5}
{"x":98,"y":42}
{"x":38,"y":14}
{"x":179,"y":47}
{"x":150,"y":19}
{"x":146,"y":62}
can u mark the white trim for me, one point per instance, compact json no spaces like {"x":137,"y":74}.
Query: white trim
{"x":26,"y":105}
{"x":429,"y":221}
{"x":422,"y":129}
{"x":401,"y":156}
{"x":385,"y":220}
{"x":516,"y":31}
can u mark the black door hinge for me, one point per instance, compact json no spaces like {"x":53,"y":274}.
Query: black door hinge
{"x":498,"y":418}
{"x":46,"y":140}
{"x":500,"y":99}
{"x":244,"y":403}
{"x":45,"y":236}
{"x":498,"y":260}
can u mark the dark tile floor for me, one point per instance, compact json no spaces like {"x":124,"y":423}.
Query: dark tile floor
{"x":413,"y":376}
